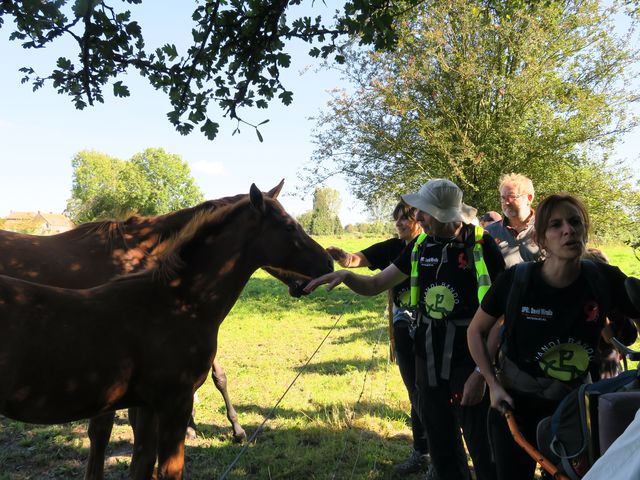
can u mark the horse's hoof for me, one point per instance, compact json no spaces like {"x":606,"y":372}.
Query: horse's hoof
{"x":240,"y":436}
{"x":191,"y":433}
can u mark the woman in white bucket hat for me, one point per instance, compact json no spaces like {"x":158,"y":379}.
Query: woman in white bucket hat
{"x":450,"y":270}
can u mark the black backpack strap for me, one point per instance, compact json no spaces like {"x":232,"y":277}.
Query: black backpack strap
{"x":597,"y":284}
{"x":521,"y":277}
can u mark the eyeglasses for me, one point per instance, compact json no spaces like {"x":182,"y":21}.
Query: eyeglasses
{"x":511,"y":198}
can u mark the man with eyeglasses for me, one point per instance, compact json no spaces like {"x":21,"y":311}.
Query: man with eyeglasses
{"x":514,"y":234}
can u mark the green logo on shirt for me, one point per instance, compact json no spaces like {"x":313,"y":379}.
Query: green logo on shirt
{"x":403,"y":298}
{"x":565,"y":362}
{"x":439,"y":301}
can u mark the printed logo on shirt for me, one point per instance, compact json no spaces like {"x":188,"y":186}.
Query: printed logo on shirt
{"x":536,"y":314}
{"x":564,"y":361}
{"x":429,"y":261}
{"x":440,"y":300}
{"x":403,"y":298}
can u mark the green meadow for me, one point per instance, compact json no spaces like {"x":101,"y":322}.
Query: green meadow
{"x":344,"y":413}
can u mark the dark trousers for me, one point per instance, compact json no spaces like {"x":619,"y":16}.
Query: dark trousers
{"x":405,"y":357}
{"x":443,"y":417}
{"x":511,"y":460}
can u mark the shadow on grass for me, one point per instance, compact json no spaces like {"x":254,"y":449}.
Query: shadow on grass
{"x":284,"y":453}
{"x":325,"y":413}
{"x":346,"y":366}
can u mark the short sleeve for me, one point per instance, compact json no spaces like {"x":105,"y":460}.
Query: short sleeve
{"x":495,"y":301}
{"x":403,"y":260}
{"x":381,"y":254}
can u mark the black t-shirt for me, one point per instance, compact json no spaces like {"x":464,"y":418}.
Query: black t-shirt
{"x":447,"y":276}
{"x":448,"y":284}
{"x":380,"y":256}
{"x":557,"y":331}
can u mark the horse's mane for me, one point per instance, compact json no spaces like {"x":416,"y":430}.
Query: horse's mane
{"x":115,"y":230}
{"x":168,"y":260}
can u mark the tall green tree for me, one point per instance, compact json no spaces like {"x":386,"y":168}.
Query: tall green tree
{"x":235,"y":58}
{"x":478,"y":88}
{"x":323,"y":218}
{"x":151,"y":183}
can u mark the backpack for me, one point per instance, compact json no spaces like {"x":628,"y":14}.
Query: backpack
{"x":570,"y":437}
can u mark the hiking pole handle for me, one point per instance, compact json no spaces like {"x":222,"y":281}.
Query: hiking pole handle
{"x":527,"y":447}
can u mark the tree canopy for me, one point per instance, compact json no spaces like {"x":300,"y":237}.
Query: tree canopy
{"x":480,"y":88}
{"x":237,"y":52}
{"x":150,"y":183}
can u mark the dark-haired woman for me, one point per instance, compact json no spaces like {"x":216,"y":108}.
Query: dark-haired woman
{"x":550,"y":344}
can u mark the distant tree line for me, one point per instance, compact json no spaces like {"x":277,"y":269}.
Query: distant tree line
{"x":153,"y":182}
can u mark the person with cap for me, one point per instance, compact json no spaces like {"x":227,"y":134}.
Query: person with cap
{"x":514,"y":234}
{"x":402,"y":321}
{"x":450,"y":269}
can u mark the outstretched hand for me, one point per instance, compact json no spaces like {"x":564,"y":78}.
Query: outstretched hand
{"x":339,"y":255}
{"x":332,"y":280}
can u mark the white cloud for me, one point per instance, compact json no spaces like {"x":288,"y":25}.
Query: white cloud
{"x":209,"y":168}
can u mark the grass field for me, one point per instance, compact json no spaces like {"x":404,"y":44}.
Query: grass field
{"x":344,"y":417}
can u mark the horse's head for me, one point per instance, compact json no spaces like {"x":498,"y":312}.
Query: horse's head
{"x":287,"y":252}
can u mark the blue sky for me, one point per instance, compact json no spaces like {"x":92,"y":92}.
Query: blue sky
{"x":41,"y":131}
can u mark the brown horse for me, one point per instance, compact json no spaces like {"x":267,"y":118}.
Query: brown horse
{"x":145,"y":339}
{"x":93,"y":253}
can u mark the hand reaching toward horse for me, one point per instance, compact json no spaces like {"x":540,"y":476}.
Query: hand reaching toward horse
{"x":346,"y":259}
{"x":340,"y":256}
{"x":332,"y":280}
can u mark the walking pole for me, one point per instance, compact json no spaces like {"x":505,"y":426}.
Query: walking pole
{"x":527,"y":447}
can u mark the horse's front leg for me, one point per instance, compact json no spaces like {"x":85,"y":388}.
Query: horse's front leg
{"x":172,"y":425}
{"x":145,"y":438}
{"x":99,"y":433}
{"x":220,"y":381}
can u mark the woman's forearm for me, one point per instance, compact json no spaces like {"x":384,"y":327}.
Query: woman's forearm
{"x":477,"y":334}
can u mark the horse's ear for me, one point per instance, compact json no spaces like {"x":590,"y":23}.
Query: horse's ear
{"x":275,"y":191}
{"x":257,"y":200}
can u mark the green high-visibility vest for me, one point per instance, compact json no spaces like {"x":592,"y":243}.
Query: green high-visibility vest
{"x":482,"y":274}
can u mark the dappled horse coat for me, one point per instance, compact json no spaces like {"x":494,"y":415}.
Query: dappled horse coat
{"x":170,"y":315}
{"x":93,"y":253}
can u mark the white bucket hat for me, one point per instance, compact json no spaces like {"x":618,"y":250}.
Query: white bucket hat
{"x":442,"y":199}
